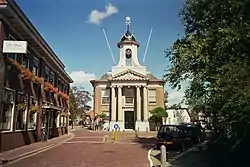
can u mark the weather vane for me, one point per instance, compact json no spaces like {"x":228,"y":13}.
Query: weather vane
{"x":128,"y":22}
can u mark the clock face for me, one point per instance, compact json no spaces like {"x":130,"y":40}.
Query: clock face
{"x":128,"y":53}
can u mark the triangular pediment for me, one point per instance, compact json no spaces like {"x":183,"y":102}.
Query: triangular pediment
{"x":128,"y":75}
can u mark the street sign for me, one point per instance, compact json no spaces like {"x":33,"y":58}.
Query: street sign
{"x":15,"y":46}
{"x":116,"y":126}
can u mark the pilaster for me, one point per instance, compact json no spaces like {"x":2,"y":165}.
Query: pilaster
{"x":138,"y":104}
{"x":145,"y":103}
{"x":120,"y":112}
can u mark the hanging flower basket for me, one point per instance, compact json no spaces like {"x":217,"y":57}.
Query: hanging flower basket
{"x":60,"y":94}
{"x":21,"y":106}
{"x":63,"y":95}
{"x":26,"y":74}
{"x":38,"y":80}
{"x":15,"y":64}
{"x":34,"y":109}
{"x":49,"y":87}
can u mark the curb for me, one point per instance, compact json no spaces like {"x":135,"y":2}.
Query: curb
{"x":198,"y":146}
{"x":31,"y":153}
{"x":151,"y":164}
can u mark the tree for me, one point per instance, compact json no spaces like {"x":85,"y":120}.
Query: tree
{"x":82,"y":96}
{"x":176,"y":106}
{"x":214,"y":54}
{"x":79,"y":99}
{"x":73,"y":106}
{"x":157,"y":114}
{"x":102,"y":115}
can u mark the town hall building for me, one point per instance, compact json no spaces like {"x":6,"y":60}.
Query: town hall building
{"x":129,"y":92}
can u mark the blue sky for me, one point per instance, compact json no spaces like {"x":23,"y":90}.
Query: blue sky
{"x":78,"y":39}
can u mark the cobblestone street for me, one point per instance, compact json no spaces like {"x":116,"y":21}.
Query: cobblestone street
{"x":86,"y":149}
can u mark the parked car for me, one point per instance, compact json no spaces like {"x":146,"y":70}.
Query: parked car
{"x":173,"y":137}
{"x":196,"y":132}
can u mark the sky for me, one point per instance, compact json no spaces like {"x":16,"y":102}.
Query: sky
{"x":73,"y":29}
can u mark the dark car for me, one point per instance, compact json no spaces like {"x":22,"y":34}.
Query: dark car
{"x":196,"y":132}
{"x":173,"y":137}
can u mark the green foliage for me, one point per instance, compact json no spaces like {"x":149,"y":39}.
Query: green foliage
{"x":214,"y":54}
{"x":102,"y":115}
{"x":78,"y":102}
{"x":175,"y":106}
{"x":158,"y":113}
{"x":73,"y":106}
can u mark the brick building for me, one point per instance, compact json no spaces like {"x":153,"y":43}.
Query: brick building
{"x":34,"y":86}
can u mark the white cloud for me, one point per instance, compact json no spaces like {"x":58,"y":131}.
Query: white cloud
{"x":81,"y":77}
{"x":96,"y":17}
{"x":176,"y":96}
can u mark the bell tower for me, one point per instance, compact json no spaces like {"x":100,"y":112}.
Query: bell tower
{"x":128,"y":48}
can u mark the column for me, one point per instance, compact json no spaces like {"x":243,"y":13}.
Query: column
{"x":138,"y":105}
{"x":120,"y":114}
{"x":113,"y":104}
{"x":145,"y":103}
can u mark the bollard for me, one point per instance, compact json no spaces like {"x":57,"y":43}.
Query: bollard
{"x":163,"y":156}
{"x":116,"y":135}
{"x":146,"y":129}
{"x":136,"y":135}
{"x":105,"y":139}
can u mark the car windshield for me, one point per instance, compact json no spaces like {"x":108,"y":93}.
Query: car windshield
{"x":168,"y":129}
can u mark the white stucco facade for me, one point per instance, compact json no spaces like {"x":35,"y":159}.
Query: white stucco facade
{"x":127,"y":86}
{"x":177,"y":116}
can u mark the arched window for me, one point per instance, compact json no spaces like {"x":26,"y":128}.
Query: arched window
{"x":128,"y":54}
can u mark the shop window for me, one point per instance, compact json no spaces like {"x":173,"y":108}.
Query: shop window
{"x":36,"y":66}
{"x":20,"y":123}
{"x":46,"y":74}
{"x":57,"y":120}
{"x":52,"y":78}
{"x":32,"y":120}
{"x":25,"y":61}
{"x":32,"y":114}
{"x":59,"y":84}
{"x":65,"y":88}
{"x":6,"y":117}
{"x":12,"y":56}
{"x":62,"y":87}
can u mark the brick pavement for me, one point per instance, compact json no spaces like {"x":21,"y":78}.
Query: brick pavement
{"x":79,"y":151}
{"x":27,"y":150}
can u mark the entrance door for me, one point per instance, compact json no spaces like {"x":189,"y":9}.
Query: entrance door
{"x":129,"y":120}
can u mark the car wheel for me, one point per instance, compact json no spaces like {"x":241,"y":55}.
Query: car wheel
{"x":183,"y":147}
{"x":198,"y":140}
{"x":158,"y":146}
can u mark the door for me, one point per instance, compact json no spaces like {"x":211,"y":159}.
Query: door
{"x":129,"y":120}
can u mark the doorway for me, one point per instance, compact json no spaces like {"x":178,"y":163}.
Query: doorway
{"x":129,"y":120}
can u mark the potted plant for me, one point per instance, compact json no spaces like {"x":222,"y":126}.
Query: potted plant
{"x":34,"y":109}
{"x":21,"y":106}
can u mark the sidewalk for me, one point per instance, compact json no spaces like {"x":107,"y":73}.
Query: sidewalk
{"x":192,"y":157}
{"x":29,"y":150}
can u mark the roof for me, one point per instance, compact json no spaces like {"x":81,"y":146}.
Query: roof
{"x":128,"y":38}
{"x":106,"y":77}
